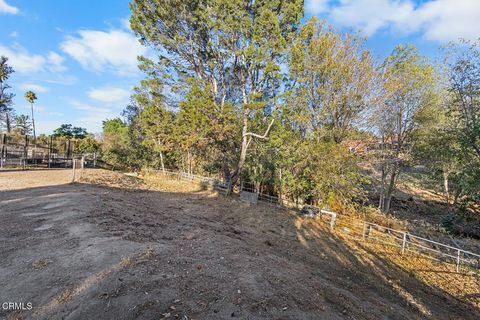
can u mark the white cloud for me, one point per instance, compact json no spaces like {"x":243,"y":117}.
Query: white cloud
{"x":55,"y":62}
{"x":23,"y":61}
{"x":6,"y":8}
{"x":91,"y":117}
{"x":86,"y":107}
{"x":109,"y":95}
{"x":34,"y":87}
{"x":315,"y":7}
{"x":115,"y":50}
{"x":437,"y":20}
{"x":36,"y":108}
{"x":445,"y":20}
{"x":125,"y":22}
{"x":55,"y":114}
{"x":371,"y":15}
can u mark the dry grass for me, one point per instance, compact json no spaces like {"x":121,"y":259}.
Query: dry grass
{"x":110,"y":179}
{"x":464,"y":285}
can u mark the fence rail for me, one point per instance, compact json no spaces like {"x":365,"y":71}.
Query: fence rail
{"x":23,"y":151}
{"x":363,"y":230}
{"x":221,"y":187}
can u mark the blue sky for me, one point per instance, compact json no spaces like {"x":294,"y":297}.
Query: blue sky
{"x":79,"y":56}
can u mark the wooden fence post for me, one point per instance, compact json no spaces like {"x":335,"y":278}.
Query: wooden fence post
{"x":73,"y":169}
{"x":25,"y":152}
{"x":82,"y":166}
{"x":4,"y":138}
{"x":50,"y":152}
{"x":364,"y":231}
{"x":458,"y":260}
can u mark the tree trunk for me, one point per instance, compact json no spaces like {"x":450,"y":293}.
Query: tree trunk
{"x":33,"y":126}
{"x":280,"y":189}
{"x":161,"y":161}
{"x":382,"y":189}
{"x":445,"y":186}
{"x":391,"y":187}
{"x":8,"y":122}
{"x":160,"y":154}
{"x":243,"y":151}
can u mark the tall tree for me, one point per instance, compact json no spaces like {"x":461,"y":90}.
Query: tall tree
{"x":6,"y":110}
{"x":116,"y":143}
{"x":31,"y":98}
{"x":68,"y":131}
{"x":234,"y":47}
{"x":334,"y":80}
{"x":23,"y":123}
{"x":156,"y":122}
{"x":410,"y":83}
{"x":463,"y":61}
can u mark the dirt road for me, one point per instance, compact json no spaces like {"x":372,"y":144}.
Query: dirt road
{"x":113,"y":248}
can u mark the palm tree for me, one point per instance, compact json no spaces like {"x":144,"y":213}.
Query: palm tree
{"x":31,"y":97}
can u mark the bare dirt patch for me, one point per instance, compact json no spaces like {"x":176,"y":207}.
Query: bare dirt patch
{"x":122,"y":248}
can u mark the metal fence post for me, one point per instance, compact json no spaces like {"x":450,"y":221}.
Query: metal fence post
{"x":404,"y":242}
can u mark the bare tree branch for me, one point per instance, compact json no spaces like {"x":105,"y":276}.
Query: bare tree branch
{"x":259,"y":136}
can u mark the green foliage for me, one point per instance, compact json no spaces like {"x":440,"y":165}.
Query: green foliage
{"x":6,"y":110}
{"x":30,"y":96}
{"x":223,"y":55}
{"x":335,"y":80}
{"x":88,"y":145}
{"x":410,"y":92}
{"x":116,"y":146}
{"x":226,"y":69}
{"x":69,"y":131}
{"x":22,"y":122}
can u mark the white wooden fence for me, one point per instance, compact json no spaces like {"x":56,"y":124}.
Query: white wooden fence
{"x":360,"y":229}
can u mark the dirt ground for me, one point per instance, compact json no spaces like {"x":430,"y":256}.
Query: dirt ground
{"x":114,"y":247}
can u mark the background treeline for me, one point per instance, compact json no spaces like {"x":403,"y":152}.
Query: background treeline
{"x":245,"y":90}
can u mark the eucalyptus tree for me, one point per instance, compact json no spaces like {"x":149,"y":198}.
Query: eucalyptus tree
{"x":6,"y":110}
{"x":233,"y":49}
{"x":31,"y":97}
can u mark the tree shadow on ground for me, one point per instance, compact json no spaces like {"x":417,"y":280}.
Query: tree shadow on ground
{"x":119,"y":253}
